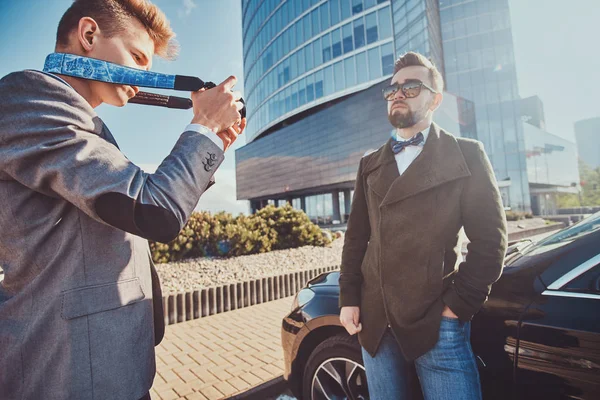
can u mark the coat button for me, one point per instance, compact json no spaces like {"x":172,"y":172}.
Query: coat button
{"x":210,"y":161}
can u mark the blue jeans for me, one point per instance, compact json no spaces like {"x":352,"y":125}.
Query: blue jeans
{"x":448,"y":371}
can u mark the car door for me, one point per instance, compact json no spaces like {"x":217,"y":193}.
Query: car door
{"x":558,"y":353}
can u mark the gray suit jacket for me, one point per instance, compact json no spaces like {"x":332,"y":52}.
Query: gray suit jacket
{"x":76,"y":303}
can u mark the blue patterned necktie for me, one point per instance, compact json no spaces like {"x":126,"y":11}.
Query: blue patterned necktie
{"x":399,"y":145}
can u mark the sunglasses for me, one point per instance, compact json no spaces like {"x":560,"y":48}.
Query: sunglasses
{"x":410,"y":89}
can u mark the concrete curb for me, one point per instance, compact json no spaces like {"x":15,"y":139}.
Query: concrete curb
{"x":196,"y":304}
{"x":261,"y":392}
{"x":514,"y":236}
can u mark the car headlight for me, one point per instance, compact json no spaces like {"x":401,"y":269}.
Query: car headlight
{"x":302,"y":297}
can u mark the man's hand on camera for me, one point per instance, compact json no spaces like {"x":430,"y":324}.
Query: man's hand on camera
{"x":218,"y":108}
{"x":229,"y":135}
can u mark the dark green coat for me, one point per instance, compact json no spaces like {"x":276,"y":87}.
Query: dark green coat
{"x":401,"y":262}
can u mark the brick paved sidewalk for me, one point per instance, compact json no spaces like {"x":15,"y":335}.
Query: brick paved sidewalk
{"x":221,"y":355}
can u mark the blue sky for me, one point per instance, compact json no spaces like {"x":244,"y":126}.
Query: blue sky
{"x":555,"y":50}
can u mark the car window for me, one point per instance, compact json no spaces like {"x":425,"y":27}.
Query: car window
{"x":566,"y":236}
{"x":586,"y":283}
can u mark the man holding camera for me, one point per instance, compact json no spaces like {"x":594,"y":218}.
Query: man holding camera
{"x":80,"y":304}
{"x":403,"y":287}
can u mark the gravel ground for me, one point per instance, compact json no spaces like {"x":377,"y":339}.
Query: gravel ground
{"x":199,"y":273}
{"x":205,"y":272}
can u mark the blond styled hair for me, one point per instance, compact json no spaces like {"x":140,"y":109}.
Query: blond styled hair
{"x":112,"y":17}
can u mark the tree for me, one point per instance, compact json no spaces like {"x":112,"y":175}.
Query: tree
{"x":590,"y":185}
{"x":590,"y":181}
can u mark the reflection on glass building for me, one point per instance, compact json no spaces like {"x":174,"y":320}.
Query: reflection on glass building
{"x":587,"y":133}
{"x":551,"y":168}
{"x":314,"y":70}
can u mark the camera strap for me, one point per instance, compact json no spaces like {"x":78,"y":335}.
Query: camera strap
{"x":104,"y":71}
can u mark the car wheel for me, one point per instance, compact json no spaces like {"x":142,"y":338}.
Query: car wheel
{"x":335,"y":370}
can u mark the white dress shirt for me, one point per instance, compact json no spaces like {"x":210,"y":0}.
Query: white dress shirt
{"x":206,"y":132}
{"x":409,"y":153}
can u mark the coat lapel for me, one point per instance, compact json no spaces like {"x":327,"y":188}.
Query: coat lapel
{"x":441,"y":161}
{"x":382,"y":170}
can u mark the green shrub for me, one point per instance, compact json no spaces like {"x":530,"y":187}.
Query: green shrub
{"x":512,"y":216}
{"x":516,"y":215}
{"x":222,"y":235}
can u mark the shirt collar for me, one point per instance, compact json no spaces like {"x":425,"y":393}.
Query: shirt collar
{"x":57,"y":77}
{"x":425,"y":135}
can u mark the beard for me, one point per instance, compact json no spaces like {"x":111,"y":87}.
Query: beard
{"x":405,"y":117}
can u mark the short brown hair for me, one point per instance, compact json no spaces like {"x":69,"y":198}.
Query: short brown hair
{"x":415,"y":59}
{"x":112,"y":17}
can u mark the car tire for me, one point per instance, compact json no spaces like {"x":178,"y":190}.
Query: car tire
{"x":338,"y":351}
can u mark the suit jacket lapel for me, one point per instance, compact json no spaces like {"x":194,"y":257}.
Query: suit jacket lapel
{"x":106,"y":134}
{"x":103,"y":131}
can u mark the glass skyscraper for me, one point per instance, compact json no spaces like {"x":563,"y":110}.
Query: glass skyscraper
{"x":314,"y":71}
{"x":480,"y":66}
{"x":301,"y":53}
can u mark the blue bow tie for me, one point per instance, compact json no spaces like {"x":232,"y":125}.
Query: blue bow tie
{"x":399,"y":145}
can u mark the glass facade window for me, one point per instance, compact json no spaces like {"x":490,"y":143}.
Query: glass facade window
{"x":350,"y":72}
{"x":346,"y":9}
{"x":317,"y":52}
{"x":319,"y":208}
{"x":308,"y":54}
{"x":357,"y":6}
{"x":336,"y":43}
{"x":301,"y":62}
{"x":310,"y":89}
{"x":372,"y":32}
{"x":302,"y":92}
{"x":306,"y":27}
{"x":347,"y":38}
{"x":338,"y":72}
{"x":359,"y":33}
{"x":315,"y":22}
{"x":387,"y":59}
{"x":329,"y":80}
{"x":362,"y":74}
{"x":324,"y":13}
{"x":334,"y":11}
{"x":319,"y":84}
{"x":374,"y":61}
{"x":384,"y":23}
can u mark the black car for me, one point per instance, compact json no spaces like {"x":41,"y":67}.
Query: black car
{"x":537,"y":336}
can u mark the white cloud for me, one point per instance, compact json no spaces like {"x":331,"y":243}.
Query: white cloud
{"x":188,"y":6}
